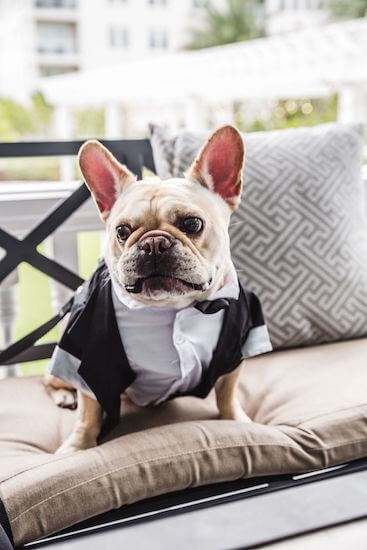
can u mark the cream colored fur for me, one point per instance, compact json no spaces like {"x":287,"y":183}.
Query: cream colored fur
{"x":151,"y":205}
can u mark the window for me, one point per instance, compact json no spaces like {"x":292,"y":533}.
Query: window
{"x":158,"y":2}
{"x":59,"y":38}
{"x":55,"y":3}
{"x":289,"y":4}
{"x":280,"y":6}
{"x":119,"y":37}
{"x":158,"y":39}
{"x":53,"y":71}
{"x":199,"y":3}
{"x":164,"y":40}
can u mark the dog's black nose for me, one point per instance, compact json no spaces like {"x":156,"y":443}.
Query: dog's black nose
{"x":157,"y":244}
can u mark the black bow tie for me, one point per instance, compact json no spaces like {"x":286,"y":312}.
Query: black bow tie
{"x":213,"y":306}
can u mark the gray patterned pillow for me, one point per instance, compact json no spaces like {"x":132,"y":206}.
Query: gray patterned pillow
{"x":299,"y":237}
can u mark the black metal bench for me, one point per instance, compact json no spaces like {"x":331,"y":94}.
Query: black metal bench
{"x":262,"y":505}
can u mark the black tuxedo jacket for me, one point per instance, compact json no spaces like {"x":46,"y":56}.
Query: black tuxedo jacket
{"x":92,"y":336}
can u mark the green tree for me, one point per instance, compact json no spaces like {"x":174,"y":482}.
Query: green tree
{"x":41,"y":114}
{"x":348,"y":8}
{"x":240,"y":21}
{"x":88,"y":123}
{"x":18,"y":121}
{"x":15,"y":120}
{"x":304,"y":112}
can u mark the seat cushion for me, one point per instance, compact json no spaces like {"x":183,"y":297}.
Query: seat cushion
{"x":309,"y":410}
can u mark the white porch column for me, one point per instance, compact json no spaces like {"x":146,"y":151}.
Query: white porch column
{"x":9,"y":309}
{"x":63,"y":247}
{"x":173,"y":119}
{"x":352,"y":103}
{"x":113,"y":120}
{"x":196,"y":113}
{"x":63,"y":124}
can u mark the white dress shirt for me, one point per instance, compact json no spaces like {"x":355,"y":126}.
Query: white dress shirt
{"x":169,"y":348}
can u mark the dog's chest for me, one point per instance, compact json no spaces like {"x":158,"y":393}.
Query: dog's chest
{"x":167,"y":349}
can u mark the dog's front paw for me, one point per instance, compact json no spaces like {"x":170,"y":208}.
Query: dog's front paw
{"x":64,"y":398}
{"x":234,"y":411}
{"x":66,"y":449}
{"x":237,"y":415}
{"x":240,"y":416}
{"x":75,"y":444}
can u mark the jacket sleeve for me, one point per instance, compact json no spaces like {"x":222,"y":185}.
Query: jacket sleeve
{"x":68,"y":354}
{"x":258,"y":339}
{"x":64,"y":365}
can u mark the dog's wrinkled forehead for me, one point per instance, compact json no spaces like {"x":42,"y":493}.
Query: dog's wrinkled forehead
{"x":153,"y":203}
{"x":217,"y":169}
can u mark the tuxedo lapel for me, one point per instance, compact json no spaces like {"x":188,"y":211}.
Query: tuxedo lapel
{"x":104,"y":365}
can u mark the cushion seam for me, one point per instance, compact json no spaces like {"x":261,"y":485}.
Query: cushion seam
{"x":120,"y":468}
{"x":186,"y":452}
{"x":345,"y":443}
{"x":32,"y":468}
{"x":357,"y":407}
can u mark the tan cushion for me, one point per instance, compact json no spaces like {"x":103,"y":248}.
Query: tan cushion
{"x":309,"y":409}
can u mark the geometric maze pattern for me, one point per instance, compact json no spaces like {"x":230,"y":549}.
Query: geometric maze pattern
{"x":299,"y":237}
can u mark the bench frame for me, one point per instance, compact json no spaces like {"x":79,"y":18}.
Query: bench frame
{"x":137,"y":154}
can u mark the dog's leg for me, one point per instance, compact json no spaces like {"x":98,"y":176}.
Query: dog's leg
{"x":62,"y":394}
{"x":228,"y":404}
{"x":87,"y":426}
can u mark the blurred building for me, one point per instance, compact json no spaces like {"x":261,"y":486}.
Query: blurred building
{"x":48,"y":37}
{"x":292,"y":15}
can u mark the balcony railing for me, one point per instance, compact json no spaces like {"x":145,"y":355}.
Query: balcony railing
{"x":56,"y":212}
{"x":68,"y":4}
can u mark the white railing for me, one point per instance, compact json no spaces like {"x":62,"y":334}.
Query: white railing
{"x":22,"y":206}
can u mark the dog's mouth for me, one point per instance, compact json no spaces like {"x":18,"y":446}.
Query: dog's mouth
{"x":157,"y":281}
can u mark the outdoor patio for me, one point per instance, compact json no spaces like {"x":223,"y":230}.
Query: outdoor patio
{"x":293,"y":478}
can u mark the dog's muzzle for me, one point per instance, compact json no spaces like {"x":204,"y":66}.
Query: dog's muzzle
{"x":155,"y":246}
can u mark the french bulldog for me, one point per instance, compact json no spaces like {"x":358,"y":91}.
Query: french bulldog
{"x":167,"y":248}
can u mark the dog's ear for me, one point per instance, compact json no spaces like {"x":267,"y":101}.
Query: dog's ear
{"x":103,"y":174}
{"x":218,"y":165}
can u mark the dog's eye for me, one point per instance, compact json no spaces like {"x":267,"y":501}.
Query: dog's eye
{"x":191,"y":225}
{"x":123,"y":232}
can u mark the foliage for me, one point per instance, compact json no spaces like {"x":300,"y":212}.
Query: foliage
{"x":240,"y":21}
{"x":348,"y":8}
{"x":291,"y":114}
{"x":41,"y":113}
{"x":15,"y":120}
{"x":29,"y":169}
{"x":18,"y":121}
{"x":88,"y":123}
{"x":34,"y":120}
{"x":307,"y":113}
